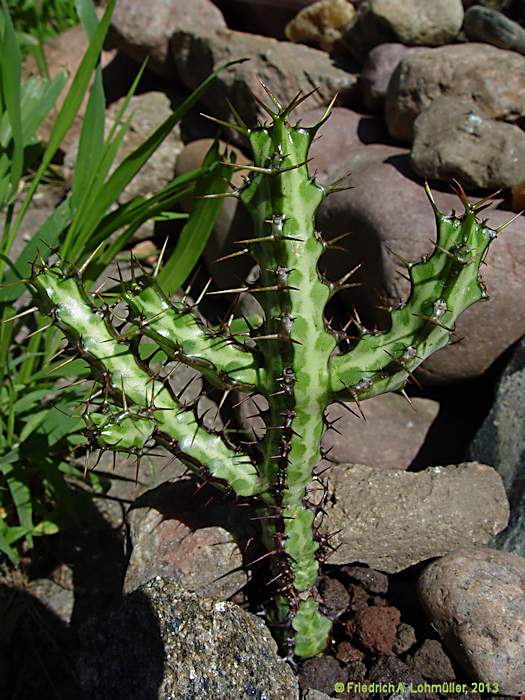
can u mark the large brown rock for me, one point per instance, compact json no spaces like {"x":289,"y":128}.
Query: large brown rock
{"x":391,"y":519}
{"x":391,"y":436}
{"x":388,"y":209}
{"x":284,"y":67}
{"x":413,"y":22}
{"x":453,"y":139}
{"x":144,"y":30}
{"x":493,"y":77}
{"x":379,"y":66}
{"x":475,"y":599}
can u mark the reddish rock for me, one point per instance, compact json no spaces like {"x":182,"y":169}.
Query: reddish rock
{"x":346,"y":653}
{"x":376,"y":628}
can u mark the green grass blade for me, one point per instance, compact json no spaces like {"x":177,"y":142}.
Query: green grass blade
{"x":42,"y":98}
{"x":11,"y":81}
{"x":197,"y":230}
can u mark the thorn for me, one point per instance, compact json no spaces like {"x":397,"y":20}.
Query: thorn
{"x":240,"y":122}
{"x":458,"y":189}
{"x":90,"y":258}
{"x":484,"y":203}
{"x":39,"y":330}
{"x":229,"y":125}
{"x":407,"y":397}
{"x":236,"y":290}
{"x":219,"y":195}
{"x":296,"y":101}
{"x":340,"y":282}
{"x":20,"y":315}
{"x":271,"y":95}
{"x":508,"y":223}
{"x":203,"y":293}
{"x":159,"y":261}
{"x":330,"y":241}
{"x":255,"y":240}
{"x":431,"y":199}
{"x":232,"y":255}
{"x":406,"y":263}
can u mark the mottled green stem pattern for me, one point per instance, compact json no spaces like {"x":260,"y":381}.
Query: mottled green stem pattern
{"x":293,"y":358}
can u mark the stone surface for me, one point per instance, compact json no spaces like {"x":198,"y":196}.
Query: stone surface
{"x":390,"y":669}
{"x":489,"y":25}
{"x":388,"y":209}
{"x":311,"y":694}
{"x":391,"y":520}
{"x":334,"y":596}
{"x":412,"y":22}
{"x":165,"y":642}
{"x":475,"y":599}
{"x":373,"y":581}
{"x":285,"y":67}
{"x":346,"y":653}
{"x":144,"y":30}
{"x":453,"y":139}
{"x":501,"y":442}
{"x":148,"y":111}
{"x":431,"y":662}
{"x":203,"y":561}
{"x":261,"y":16}
{"x":320,"y":24}
{"x":391,"y":436}
{"x":376,"y":628}
{"x":380,"y":63}
{"x":405,"y":638}
{"x":493,"y":77}
{"x":320,"y":673}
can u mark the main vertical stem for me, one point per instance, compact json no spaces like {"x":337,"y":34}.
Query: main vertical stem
{"x":283,"y":203}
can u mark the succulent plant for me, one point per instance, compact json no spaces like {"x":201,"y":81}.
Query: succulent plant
{"x":293,"y":358}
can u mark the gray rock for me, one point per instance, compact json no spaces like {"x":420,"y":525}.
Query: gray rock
{"x":164,"y":642}
{"x":56,"y":593}
{"x":405,"y":639}
{"x":320,"y":24}
{"x":312,"y":694}
{"x":493,"y":77}
{"x":285,"y":67}
{"x":373,"y":581}
{"x":491,"y":26}
{"x":391,"y":436}
{"x":320,"y":673}
{"x":203,"y":561}
{"x":391,"y":520}
{"x":501,"y":442}
{"x":388,"y":209}
{"x":380,"y":63}
{"x":412,"y":22}
{"x":431,"y":662}
{"x":475,"y":599}
{"x":144,"y":30}
{"x":453,"y":139}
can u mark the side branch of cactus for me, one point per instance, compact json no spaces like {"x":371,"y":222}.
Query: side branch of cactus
{"x":127,"y":381}
{"x":442,"y":286}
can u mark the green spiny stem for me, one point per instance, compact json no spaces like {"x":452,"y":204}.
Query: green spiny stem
{"x":297,"y":365}
{"x":125,"y":378}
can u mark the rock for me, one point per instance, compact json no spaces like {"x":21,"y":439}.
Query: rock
{"x":431,"y":662}
{"x":285,"y":67}
{"x":174,"y":532}
{"x":260,"y":17}
{"x":491,"y":26}
{"x":373,"y":581}
{"x":57,"y":595}
{"x":405,"y":21}
{"x":311,"y":694}
{"x":405,"y":638}
{"x":346,"y":653}
{"x":358,"y":597}
{"x":452,"y":139}
{"x":493,"y":77}
{"x":390,"y":669}
{"x":145,"y":30}
{"x":391,"y":520}
{"x":380,"y":63}
{"x":320,"y":673}
{"x":334,"y":596}
{"x":501,"y":441}
{"x":148,"y":111}
{"x":165,"y":642}
{"x":390,"y":438}
{"x":320,"y":24}
{"x":401,"y":219}
{"x":203,"y":561}
{"x":475,"y":599}
{"x":376,"y":628}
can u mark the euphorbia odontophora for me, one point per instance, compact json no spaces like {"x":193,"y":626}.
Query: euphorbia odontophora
{"x":293,"y":358}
